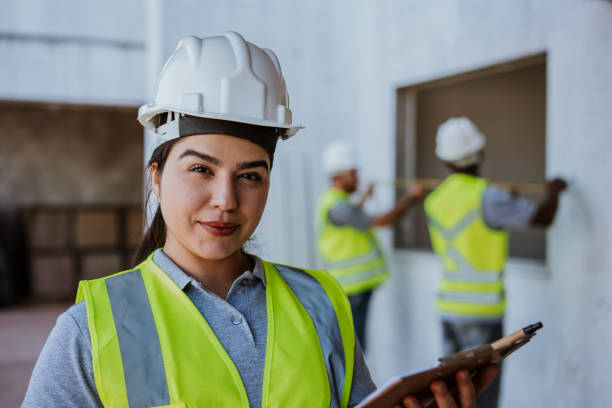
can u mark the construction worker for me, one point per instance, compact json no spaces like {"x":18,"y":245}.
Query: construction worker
{"x":199,"y":322}
{"x":346,"y":241}
{"x":468,"y":221}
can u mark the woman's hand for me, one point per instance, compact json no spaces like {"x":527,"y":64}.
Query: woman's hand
{"x":468,"y":390}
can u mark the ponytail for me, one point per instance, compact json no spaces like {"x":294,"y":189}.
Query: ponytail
{"x":155,"y":235}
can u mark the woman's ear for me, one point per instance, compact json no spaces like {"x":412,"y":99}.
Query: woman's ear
{"x":155,"y":179}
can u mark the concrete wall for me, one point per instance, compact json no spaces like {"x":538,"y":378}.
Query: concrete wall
{"x":69,"y":155}
{"x":343,"y":63}
{"x":73,"y":51}
{"x":567,"y":364}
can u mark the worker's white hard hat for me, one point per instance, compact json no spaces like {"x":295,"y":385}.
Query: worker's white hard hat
{"x":458,"y":141}
{"x":338,"y":156}
{"x":223,"y":77}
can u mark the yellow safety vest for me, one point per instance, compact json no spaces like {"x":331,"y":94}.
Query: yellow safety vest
{"x":151,"y":347}
{"x":473,"y":254}
{"x":351,"y":255}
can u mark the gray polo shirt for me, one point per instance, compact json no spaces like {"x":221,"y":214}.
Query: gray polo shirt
{"x":500,"y":209}
{"x":504,"y":210}
{"x":345,"y":213}
{"x":63,"y":375}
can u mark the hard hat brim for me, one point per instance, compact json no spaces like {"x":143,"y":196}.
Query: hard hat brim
{"x":146,"y":114}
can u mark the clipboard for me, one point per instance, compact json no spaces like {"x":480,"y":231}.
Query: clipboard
{"x":417,"y":384}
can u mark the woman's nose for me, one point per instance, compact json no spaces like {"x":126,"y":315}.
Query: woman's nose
{"x":224,"y":194}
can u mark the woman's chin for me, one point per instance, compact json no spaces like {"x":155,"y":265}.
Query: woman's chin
{"x":216,"y":252}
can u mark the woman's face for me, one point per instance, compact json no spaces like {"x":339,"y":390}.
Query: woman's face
{"x":212,"y":193}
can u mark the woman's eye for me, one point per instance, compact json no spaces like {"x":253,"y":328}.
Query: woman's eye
{"x":251,"y":176}
{"x":200,"y":169}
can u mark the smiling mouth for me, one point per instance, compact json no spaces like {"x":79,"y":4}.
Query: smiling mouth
{"x":221,"y":229}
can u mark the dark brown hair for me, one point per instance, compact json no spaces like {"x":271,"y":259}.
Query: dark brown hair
{"x":155,"y":236}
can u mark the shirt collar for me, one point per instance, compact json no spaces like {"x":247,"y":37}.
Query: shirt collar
{"x":182,"y":279}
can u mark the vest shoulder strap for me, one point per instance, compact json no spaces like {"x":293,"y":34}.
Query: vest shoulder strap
{"x":338,"y":322}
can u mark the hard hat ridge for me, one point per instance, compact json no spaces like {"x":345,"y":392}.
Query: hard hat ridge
{"x":192,"y":46}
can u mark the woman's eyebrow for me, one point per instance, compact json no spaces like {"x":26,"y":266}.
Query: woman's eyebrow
{"x":257,"y":163}
{"x":203,"y":156}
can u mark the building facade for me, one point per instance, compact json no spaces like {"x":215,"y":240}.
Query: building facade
{"x":349,"y":67}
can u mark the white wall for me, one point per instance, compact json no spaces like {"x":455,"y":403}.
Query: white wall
{"x":73,"y":51}
{"x":567,"y":364}
{"x":343,"y":62}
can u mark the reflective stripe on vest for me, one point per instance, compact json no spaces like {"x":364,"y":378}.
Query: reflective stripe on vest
{"x":151,"y":347}
{"x":473,"y":255}
{"x":351,"y":255}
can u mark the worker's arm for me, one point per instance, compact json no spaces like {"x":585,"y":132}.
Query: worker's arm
{"x":507,"y":210}
{"x":545,"y":213}
{"x":63,"y":374}
{"x":362,"y":381}
{"x":416,"y":194}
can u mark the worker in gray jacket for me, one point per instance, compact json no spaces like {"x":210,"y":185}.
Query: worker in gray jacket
{"x":468,"y":222}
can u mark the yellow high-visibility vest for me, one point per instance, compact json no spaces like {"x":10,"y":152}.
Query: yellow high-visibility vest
{"x":151,"y":347}
{"x":473,"y":255}
{"x":351,"y":255}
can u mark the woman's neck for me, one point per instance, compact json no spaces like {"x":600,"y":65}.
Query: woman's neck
{"x":215,"y":275}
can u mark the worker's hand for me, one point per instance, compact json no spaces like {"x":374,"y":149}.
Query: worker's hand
{"x":557,"y":185}
{"x":417,"y":191}
{"x":369,"y":191}
{"x":367,"y":194}
{"x":468,"y":390}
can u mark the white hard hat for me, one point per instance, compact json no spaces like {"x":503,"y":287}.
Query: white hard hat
{"x":458,"y":141}
{"x":223,"y":77}
{"x":338,"y":156}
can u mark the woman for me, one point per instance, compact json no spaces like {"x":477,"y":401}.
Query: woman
{"x":200,"y":322}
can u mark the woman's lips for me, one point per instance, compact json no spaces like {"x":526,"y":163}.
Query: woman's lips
{"x":218,"y":228}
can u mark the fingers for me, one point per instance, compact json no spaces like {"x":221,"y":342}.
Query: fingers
{"x":484,"y":377}
{"x":418,"y":191}
{"x":410,"y":402}
{"x":467,"y":391}
{"x":557,"y":184}
{"x":443,"y":397}
{"x":419,"y":188}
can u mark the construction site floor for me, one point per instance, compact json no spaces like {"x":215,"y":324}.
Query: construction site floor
{"x":23,"y":331}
